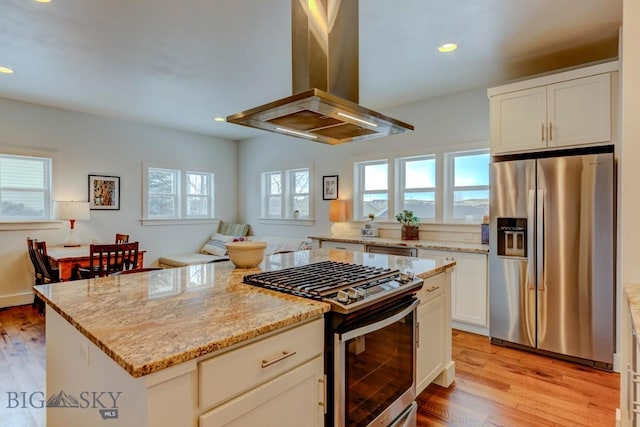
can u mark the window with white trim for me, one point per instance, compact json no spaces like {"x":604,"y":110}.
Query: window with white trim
{"x":372,"y":188}
{"x":417,"y":186}
{"x":25,"y":188}
{"x":467,"y":186}
{"x":178,"y":194}
{"x":287,"y":194}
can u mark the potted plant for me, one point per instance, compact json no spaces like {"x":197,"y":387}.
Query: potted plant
{"x":410,"y":229}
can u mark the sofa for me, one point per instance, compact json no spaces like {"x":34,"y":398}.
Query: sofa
{"x":214,"y":250}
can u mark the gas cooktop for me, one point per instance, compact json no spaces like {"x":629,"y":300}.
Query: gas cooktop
{"x":347,"y":287}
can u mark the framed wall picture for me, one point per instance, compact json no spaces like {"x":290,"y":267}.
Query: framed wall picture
{"x":104,"y":192}
{"x":330,"y":187}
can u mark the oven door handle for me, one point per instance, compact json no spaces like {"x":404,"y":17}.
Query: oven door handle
{"x":378,"y":325}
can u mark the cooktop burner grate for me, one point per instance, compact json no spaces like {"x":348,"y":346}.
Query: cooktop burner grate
{"x":321,"y":279}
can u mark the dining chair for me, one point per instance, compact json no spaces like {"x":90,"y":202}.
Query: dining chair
{"x":38,"y":278}
{"x":122,"y":238}
{"x":49,"y":274}
{"x":106,"y":259}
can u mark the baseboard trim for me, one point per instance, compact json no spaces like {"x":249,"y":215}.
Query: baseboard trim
{"x":480,"y":330}
{"x":16,"y":299}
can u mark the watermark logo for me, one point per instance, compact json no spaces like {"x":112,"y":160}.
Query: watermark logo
{"x":106,"y":402}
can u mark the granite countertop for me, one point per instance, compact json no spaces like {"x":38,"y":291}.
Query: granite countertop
{"x":633,"y":297}
{"x":150,"y":321}
{"x":421,"y":244}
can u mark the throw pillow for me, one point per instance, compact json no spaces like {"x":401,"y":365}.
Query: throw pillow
{"x":216,"y":245}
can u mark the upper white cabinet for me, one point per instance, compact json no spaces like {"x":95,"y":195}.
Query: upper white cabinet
{"x":573,"y":108}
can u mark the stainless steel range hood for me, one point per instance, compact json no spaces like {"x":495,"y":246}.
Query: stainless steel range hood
{"x":324,"y":107}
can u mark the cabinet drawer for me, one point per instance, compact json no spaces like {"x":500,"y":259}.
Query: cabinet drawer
{"x":431,"y":289}
{"x":342,"y":245}
{"x":225,"y":376}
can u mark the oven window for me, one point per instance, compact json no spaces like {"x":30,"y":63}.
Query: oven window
{"x":379,"y":369}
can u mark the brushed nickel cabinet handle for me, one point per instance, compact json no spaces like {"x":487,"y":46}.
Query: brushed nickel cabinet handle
{"x":284,"y":355}
{"x":542,"y":132}
{"x":433,"y":288}
{"x":550,"y":131}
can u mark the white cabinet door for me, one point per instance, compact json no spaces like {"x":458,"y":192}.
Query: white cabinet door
{"x":469,"y":288}
{"x":431,"y":342}
{"x":296,"y":398}
{"x":326,"y":244}
{"x":579,"y":111}
{"x":518,"y":120}
{"x":568,"y":113}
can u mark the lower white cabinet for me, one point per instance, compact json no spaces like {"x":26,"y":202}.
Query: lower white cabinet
{"x":433,"y":332}
{"x":469,"y":290}
{"x":295,"y":398}
{"x":346,"y":246}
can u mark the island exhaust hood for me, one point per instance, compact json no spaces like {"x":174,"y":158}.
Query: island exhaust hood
{"x":324,"y":107}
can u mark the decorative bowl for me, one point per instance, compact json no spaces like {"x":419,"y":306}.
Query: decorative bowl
{"x":246,"y":254}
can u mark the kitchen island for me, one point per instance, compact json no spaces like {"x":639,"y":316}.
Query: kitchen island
{"x":177,"y":346}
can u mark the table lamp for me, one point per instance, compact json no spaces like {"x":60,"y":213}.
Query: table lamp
{"x":337,"y":214}
{"x":73,"y":211}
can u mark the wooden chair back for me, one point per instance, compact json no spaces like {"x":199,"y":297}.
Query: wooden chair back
{"x":106,"y":259}
{"x":49,"y":274}
{"x":122,"y":238}
{"x":38,"y":277}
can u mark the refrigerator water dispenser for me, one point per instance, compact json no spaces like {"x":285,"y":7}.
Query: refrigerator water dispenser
{"x":512,"y":237}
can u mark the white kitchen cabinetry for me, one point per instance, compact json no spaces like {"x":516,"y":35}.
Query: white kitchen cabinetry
{"x":562,"y":110}
{"x":279,"y":377}
{"x":469,"y":290}
{"x":432,"y":332}
{"x":346,"y":246}
{"x":629,"y":370}
{"x":295,"y":398}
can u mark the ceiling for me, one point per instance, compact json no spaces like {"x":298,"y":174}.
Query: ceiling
{"x":179,"y":64}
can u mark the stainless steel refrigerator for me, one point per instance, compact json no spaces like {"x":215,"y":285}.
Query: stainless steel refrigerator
{"x":551,"y":271}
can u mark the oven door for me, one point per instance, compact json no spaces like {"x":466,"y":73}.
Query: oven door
{"x":374,"y":367}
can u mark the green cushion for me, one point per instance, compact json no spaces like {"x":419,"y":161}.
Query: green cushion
{"x":230,"y":229}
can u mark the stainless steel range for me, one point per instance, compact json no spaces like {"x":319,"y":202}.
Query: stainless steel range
{"x":370,"y":340}
{"x":347,"y":287}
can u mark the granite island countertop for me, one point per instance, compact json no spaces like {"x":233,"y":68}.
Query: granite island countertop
{"x":633,"y":298}
{"x":420,"y":244}
{"x":150,"y":321}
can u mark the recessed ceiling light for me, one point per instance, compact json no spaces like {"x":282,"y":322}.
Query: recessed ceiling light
{"x":447,"y":47}
{"x":43,"y":1}
{"x":219,"y":119}
{"x":6,"y":70}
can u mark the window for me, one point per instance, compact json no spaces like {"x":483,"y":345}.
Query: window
{"x":25,"y":188}
{"x":286,"y":194}
{"x":417,"y":186}
{"x":372,"y":183}
{"x":467,"y":187}
{"x":199,"y":194}
{"x":178,"y":194}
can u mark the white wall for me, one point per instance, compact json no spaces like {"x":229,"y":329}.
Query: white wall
{"x":85,"y":144}
{"x":630,"y":153}
{"x":455,"y":121}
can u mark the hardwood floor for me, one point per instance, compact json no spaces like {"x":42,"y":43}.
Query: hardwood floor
{"x":22,"y":367}
{"x":498,"y":386}
{"x":495,"y":386}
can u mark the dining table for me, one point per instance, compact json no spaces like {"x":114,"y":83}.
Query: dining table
{"x":65,"y":258}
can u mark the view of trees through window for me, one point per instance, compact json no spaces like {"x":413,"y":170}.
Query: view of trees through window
{"x":171,"y":196}
{"x":286,"y":192}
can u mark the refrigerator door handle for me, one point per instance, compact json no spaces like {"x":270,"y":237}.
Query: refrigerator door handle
{"x":531,"y":280}
{"x":540,"y":239}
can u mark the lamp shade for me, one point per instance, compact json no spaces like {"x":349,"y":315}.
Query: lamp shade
{"x":337,"y":210}
{"x":78,"y":211}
